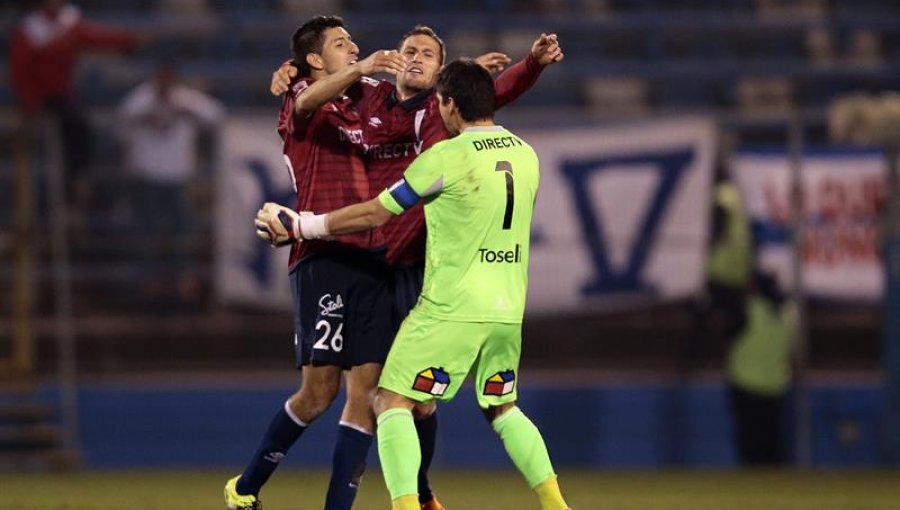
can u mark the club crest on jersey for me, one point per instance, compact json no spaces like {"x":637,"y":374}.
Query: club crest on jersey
{"x":375,"y":122}
{"x":433,"y":381}
{"x":501,"y":383}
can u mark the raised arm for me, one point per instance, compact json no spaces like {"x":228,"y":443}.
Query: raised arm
{"x":522,"y":75}
{"x":100,"y":37}
{"x":325,"y":89}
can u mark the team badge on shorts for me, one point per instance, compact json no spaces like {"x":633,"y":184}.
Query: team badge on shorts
{"x":501,"y":383}
{"x":433,"y":381}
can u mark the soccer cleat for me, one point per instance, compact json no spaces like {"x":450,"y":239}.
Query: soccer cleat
{"x":235,"y":501}
{"x":433,"y":504}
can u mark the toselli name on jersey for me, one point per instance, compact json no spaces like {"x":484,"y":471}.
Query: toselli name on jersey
{"x":499,"y":142}
{"x":501,"y":256}
{"x":394,"y":150}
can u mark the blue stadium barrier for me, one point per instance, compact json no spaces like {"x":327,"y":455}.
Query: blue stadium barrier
{"x":634,"y":425}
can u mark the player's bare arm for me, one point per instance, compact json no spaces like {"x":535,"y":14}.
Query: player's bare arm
{"x":332,"y":85}
{"x":356,"y":218}
{"x":281,"y":226}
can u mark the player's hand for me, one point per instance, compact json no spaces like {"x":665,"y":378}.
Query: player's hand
{"x":494,"y":61}
{"x":278,"y":225}
{"x":383,"y":61}
{"x":546,"y":49}
{"x":282,"y":78}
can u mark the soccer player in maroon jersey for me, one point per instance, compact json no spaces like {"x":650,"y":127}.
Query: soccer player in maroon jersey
{"x":340,"y":288}
{"x":400,"y":121}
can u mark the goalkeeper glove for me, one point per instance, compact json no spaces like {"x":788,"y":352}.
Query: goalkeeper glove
{"x":277,"y":224}
{"x":281,"y":225}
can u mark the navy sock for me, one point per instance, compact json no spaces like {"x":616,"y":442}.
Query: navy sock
{"x":283,"y":432}
{"x":427,"y":432}
{"x":347,"y":467}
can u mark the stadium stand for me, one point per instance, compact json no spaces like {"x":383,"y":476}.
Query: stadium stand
{"x":808,"y":44}
{"x":749,"y":62}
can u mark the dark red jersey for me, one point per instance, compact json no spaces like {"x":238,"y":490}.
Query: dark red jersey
{"x":324,"y":153}
{"x":396,"y":132}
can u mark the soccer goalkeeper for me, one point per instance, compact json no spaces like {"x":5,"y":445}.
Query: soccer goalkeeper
{"x":479,"y":190}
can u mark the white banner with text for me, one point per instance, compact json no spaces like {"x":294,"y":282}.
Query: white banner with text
{"x":621,"y":218}
{"x":843,"y":191}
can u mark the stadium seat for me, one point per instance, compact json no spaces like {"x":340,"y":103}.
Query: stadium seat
{"x":763,"y":95}
{"x":617,"y":96}
{"x":715,"y":41}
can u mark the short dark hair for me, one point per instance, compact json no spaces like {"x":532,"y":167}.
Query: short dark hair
{"x":470,"y":85}
{"x":425,"y":30}
{"x":310,"y":37}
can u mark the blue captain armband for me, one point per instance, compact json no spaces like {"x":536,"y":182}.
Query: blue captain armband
{"x":399,"y":197}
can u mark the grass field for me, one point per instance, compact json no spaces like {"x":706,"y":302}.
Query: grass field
{"x":468,"y":490}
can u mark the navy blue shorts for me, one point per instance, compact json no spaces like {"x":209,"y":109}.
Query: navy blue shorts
{"x":343,"y":309}
{"x":407,"y":287}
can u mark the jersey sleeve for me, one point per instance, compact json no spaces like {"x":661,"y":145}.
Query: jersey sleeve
{"x":424,"y":177}
{"x":516,"y":80}
{"x":291,"y":122}
{"x":426,"y":173}
{"x":100,"y":37}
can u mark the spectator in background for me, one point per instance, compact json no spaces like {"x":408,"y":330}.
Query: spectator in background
{"x":719,"y":312}
{"x":42,"y":56}
{"x":730,"y":260}
{"x":161,"y":121}
{"x":759,"y":373}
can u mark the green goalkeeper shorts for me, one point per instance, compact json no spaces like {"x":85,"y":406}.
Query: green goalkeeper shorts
{"x":431,"y":358}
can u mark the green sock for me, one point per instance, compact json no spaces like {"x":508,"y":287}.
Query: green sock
{"x":524,"y":445}
{"x":398,"y":449}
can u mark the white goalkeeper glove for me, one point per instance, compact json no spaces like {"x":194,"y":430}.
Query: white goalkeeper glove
{"x":280,"y":225}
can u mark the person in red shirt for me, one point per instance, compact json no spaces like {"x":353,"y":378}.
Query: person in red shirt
{"x":340,"y":288}
{"x":400,"y":122}
{"x":43,"y":52}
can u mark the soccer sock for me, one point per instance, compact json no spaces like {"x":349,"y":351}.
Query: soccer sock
{"x":347,"y":466}
{"x":526,"y":448}
{"x":408,"y":502}
{"x":398,"y":449}
{"x":427,"y":431}
{"x":283,"y":432}
{"x":549,"y":495}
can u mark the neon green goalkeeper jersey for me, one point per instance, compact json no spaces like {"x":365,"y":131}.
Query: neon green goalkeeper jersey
{"x":479,"y":189}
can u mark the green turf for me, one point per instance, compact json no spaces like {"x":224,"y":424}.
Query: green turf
{"x":468,"y":490}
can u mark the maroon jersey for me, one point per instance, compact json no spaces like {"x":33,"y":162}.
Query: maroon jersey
{"x":396,"y":132}
{"x":324,"y":152}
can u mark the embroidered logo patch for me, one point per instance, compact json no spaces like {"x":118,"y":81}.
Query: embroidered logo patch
{"x":501,"y":383}
{"x":433,"y":381}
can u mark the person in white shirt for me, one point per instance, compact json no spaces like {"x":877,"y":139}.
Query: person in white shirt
{"x":161,"y":122}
